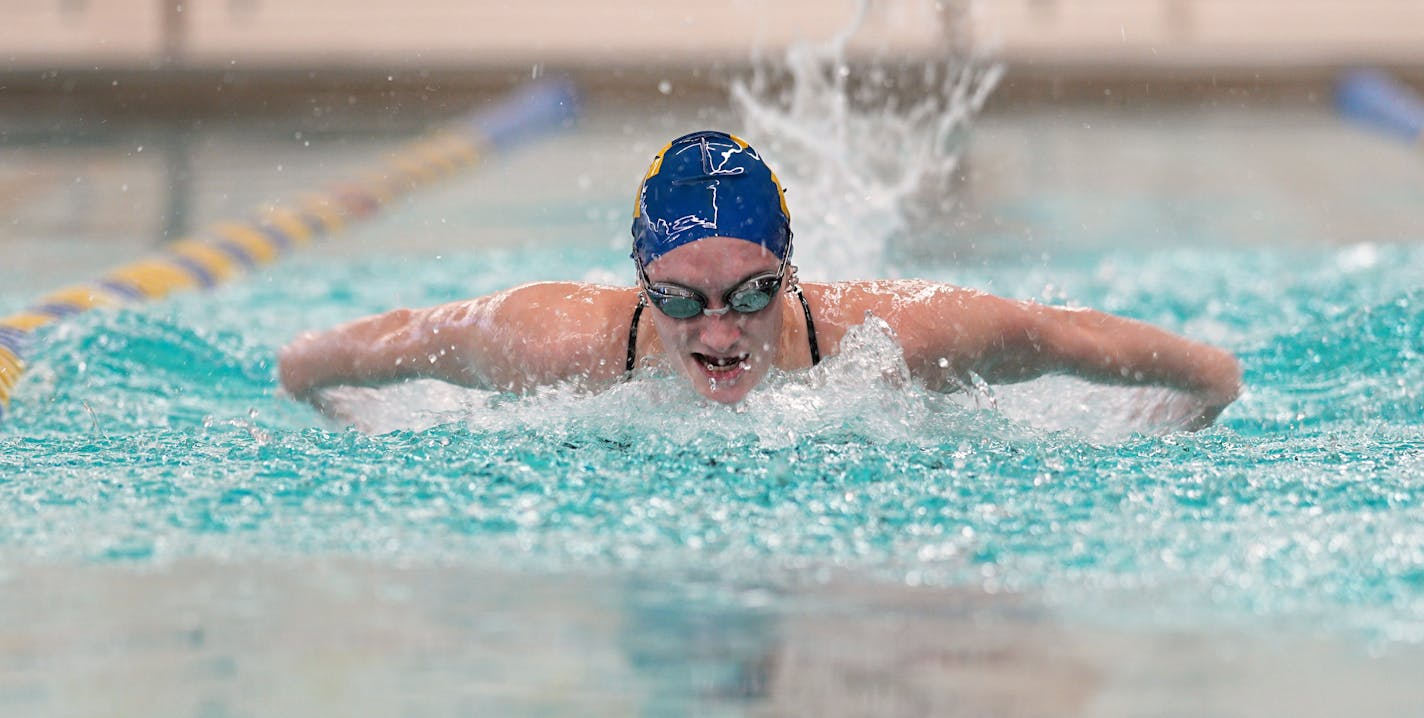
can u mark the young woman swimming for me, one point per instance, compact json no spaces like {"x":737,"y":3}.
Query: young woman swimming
{"x":712,"y":245}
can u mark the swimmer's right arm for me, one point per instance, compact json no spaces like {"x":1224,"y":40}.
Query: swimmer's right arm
{"x":394,"y":346}
{"x":514,"y":340}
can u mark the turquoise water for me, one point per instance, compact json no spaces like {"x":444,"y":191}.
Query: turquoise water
{"x":153,"y":437}
{"x":154,"y":433}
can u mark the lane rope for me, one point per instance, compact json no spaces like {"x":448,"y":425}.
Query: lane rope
{"x":230,"y":248}
{"x":1378,"y":100}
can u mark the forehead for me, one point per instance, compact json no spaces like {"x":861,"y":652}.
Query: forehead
{"x":712,"y":261}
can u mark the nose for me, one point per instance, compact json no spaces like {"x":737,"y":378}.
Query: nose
{"x":720,"y":332}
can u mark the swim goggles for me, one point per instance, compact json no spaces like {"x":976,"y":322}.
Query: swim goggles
{"x":680,"y":302}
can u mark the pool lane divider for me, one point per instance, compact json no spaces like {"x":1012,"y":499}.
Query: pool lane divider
{"x":1376,"y":99}
{"x":227,"y":249}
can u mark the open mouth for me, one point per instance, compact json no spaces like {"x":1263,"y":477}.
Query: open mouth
{"x":716,"y":365}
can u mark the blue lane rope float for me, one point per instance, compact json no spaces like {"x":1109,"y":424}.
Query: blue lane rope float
{"x":1376,"y":99}
{"x":227,"y":249}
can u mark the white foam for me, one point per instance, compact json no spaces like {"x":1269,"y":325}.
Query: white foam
{"x":865,"y":391}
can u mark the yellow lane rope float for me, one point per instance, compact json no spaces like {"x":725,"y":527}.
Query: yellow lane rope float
{"x":229,"y":248}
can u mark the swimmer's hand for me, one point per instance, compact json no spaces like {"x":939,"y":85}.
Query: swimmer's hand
{"x":1177,"y":411}
{"x":1223,"y":386}
{"x":324,"y":402}
{"x":294,"y":368}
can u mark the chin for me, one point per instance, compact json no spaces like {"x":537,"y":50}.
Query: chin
{"x":723,"y":395}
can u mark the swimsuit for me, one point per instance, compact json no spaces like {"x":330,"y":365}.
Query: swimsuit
{"x":643,"y":302}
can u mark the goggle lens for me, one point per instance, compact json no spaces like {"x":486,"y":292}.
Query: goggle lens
{"x":753,"y":295}
{"x":677,"y":307}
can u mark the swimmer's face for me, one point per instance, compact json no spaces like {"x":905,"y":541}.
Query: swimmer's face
{"x":724,"y":356}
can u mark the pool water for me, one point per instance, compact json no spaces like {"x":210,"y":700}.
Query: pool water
{"x":842,"y":541}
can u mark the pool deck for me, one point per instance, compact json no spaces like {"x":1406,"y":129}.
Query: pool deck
{"x":235,"y":35}
{"x":162,"y":53}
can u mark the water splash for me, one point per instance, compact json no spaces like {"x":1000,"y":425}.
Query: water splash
{"x":865,"y":391}
{"x":869,"y":146}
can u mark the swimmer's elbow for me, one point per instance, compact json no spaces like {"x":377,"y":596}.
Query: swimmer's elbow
{"x":1224,"y":377}
{"x":303,"y":366}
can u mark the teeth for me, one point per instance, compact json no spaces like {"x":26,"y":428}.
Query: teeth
{"x":723,"y":364}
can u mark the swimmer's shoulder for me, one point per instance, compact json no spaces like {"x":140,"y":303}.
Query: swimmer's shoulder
{"x":581,"y":322}
{"x":563,"y":309}
{"x":580,"y":297}
{"x":848,"y":301}
{"x":921,"y":313}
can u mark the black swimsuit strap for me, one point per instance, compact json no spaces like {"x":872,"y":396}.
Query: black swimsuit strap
{"x":810,"y":325}
{"x":643,"y":302}
{"x":633,"y":332}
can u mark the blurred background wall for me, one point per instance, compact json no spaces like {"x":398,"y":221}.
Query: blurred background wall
{"x":113,"y":113}
{"x":144,"y":34}
{"x":1053,"y":47}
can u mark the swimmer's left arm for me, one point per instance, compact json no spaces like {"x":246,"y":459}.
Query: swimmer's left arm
{"x":1006,"y":341}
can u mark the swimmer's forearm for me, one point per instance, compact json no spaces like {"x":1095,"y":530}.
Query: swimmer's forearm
{"x":1114,"y":350}
{"x":394,"y":346}
{"x":339,"y":356}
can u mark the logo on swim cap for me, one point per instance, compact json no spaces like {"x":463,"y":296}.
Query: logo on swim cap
{"x":709,"y":184}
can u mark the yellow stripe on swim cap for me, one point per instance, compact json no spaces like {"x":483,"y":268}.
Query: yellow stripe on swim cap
{"x":781,"y":192}
{"x":657,"y":164}
{"x":653,"y":170}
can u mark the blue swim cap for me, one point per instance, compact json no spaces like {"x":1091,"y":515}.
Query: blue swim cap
{"x":709,"y":184}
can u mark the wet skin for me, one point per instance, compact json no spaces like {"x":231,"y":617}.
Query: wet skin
{"x":724,"y":356}
{"x":550,"y":332}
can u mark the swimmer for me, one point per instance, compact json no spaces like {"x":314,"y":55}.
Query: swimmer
{"x":718,"y":299}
